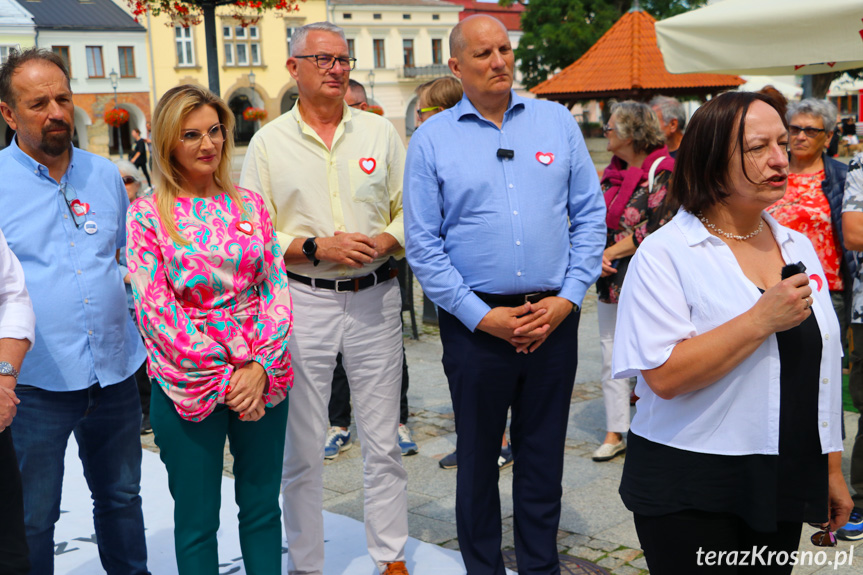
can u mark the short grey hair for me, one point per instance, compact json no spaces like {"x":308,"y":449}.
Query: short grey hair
{"x":824,"y":109}
{"x":298,"y":37}
{"x":671,"y":109}
{"x":638,"y":121}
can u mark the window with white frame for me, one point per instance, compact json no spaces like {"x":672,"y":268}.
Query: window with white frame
{"x":185,"y":46}
{"x":242,"y":45}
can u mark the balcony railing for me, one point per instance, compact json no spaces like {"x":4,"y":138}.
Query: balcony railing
{"x":433,"y":71}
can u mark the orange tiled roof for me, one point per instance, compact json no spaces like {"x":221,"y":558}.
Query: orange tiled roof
{"x":625,"y":60}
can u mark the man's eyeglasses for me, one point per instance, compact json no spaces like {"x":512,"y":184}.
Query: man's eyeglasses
{"x":327,"y":62}
{"x":194,"y":138}
{"x":823,"y":538}
{"x":70,"y":195}
{"x":809,"y":131}
{"x":606,"y":129}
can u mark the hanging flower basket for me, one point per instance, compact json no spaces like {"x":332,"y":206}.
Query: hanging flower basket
{"x":375,"y":110}
{"x":116,"y":117}
{"x":190,"y":13}
{"x":252,"y":114}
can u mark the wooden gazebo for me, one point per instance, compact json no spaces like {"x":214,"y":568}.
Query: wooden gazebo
{"x":626,"y":64}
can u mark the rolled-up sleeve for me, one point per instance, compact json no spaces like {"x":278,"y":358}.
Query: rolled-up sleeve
{"x":653,"y":314}
{"x":17,"y":320}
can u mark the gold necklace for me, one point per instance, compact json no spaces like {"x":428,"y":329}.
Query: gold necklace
{"x":729,"y":235}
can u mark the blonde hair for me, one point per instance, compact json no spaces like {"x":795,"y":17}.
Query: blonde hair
{"x":171,"y":111}
{"x":443,"y":93}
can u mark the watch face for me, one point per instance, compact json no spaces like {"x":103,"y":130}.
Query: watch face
{"x":6,"y":368}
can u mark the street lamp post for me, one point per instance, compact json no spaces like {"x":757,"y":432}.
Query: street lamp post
{"x":372,"y":83}
{"x":115,"y":79}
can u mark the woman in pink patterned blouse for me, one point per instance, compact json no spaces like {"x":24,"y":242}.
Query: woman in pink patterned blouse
{"x":213,"y":305}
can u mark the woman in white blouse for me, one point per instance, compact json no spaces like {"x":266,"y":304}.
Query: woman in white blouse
{"x":737,"y":438}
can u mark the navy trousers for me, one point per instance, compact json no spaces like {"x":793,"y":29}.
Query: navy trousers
{"x":486,"y":378}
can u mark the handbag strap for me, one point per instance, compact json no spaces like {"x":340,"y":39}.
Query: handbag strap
{"x":652,"y":173}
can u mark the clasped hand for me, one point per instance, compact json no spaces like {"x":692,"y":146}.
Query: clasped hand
{"x":246,"y":391}
{"x":527,"y":326}
{"x":8,"y":407}
{"x":355,"y":249}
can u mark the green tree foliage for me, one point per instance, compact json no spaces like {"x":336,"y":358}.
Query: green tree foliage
{"x":559,"y":32}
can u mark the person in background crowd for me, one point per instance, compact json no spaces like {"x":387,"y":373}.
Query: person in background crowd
{"x":852,"y":224}
{"x":132,"y":180}
{"x":738,"y":434}
{"x":62,"y":210}
{"x":672,"y":120}
{"x":17,"y":334}
{"x":506,"y":241}
{"x":138,"y":156}
{"x":812,"y":204}
{"x":214,"y":308}
{"x":338,"y":436}
{"x":635,"y":186}
{"x":339,"y":220}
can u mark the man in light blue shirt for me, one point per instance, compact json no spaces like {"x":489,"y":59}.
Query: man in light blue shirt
{"x":63,"y":212}
{"x":505,"y":227}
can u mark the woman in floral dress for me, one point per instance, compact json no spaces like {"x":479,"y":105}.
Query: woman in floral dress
{"x":213,"y":305}
{"x":635,"y":185}
{"x":812,"y":204}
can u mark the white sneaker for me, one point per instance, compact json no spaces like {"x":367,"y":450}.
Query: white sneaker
{"x":608,"y":451}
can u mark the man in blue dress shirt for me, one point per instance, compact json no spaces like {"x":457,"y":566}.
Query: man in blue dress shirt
{"x":505,"y":229}
{"x":63,"y":212}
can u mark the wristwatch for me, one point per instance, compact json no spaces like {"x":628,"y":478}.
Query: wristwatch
{"x":310,"y":248}
{"x":7,"y":369}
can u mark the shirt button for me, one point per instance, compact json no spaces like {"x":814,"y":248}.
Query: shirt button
{"x":90,"y":332}
{"x":79,"y":272}
{"x":826,"y":336}
{"x":518,"y":243}
{"x":825,"y":380}
{"x":65,"y":216}
{"x":518,"y":274}
{"x":510,"y":185}
{"x":515,"y":213}
{"x":823,"y":424}
{"x":72,"y":244}
{"x":86,"y":301}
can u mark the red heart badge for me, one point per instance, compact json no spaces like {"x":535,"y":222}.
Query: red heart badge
{"x":245,"y":227}
{"x":368,"y":165}
{"x":817,"y":279}
{"x":79,"y":208}
{"x":545,"y":158}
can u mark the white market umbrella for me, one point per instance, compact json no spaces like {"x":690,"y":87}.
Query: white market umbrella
{"x":765,"y":37}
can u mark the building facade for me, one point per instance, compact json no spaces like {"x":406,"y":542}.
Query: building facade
{"x":398,"y":45}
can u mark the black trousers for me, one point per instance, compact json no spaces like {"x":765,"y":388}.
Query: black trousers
{"x":143,"y":166}
{"x":681,"y":544}
{"x":13,"y":541}
{"x":339,"y":408}
{"x":486,"y":378}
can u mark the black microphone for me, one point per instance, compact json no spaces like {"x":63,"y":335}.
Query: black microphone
{"x":504,"y":153}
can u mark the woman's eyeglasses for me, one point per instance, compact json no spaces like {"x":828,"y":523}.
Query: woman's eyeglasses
{"x":809,"y":131}
{"x":606,"y":129}
{"x":327,"y":62}
{"x":194,"y":138}
{"x":129,"y":180}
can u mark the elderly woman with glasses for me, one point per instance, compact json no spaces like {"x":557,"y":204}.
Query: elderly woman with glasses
{"x":212,"y":301}
{"x":812,"y":204}
{"x":724,"y":320}
{"x":635,"y":185}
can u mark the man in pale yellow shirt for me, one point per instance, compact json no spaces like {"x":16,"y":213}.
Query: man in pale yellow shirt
{"x":332,"y":179}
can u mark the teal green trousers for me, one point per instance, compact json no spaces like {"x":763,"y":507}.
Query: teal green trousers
{"x":193,"y":453}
